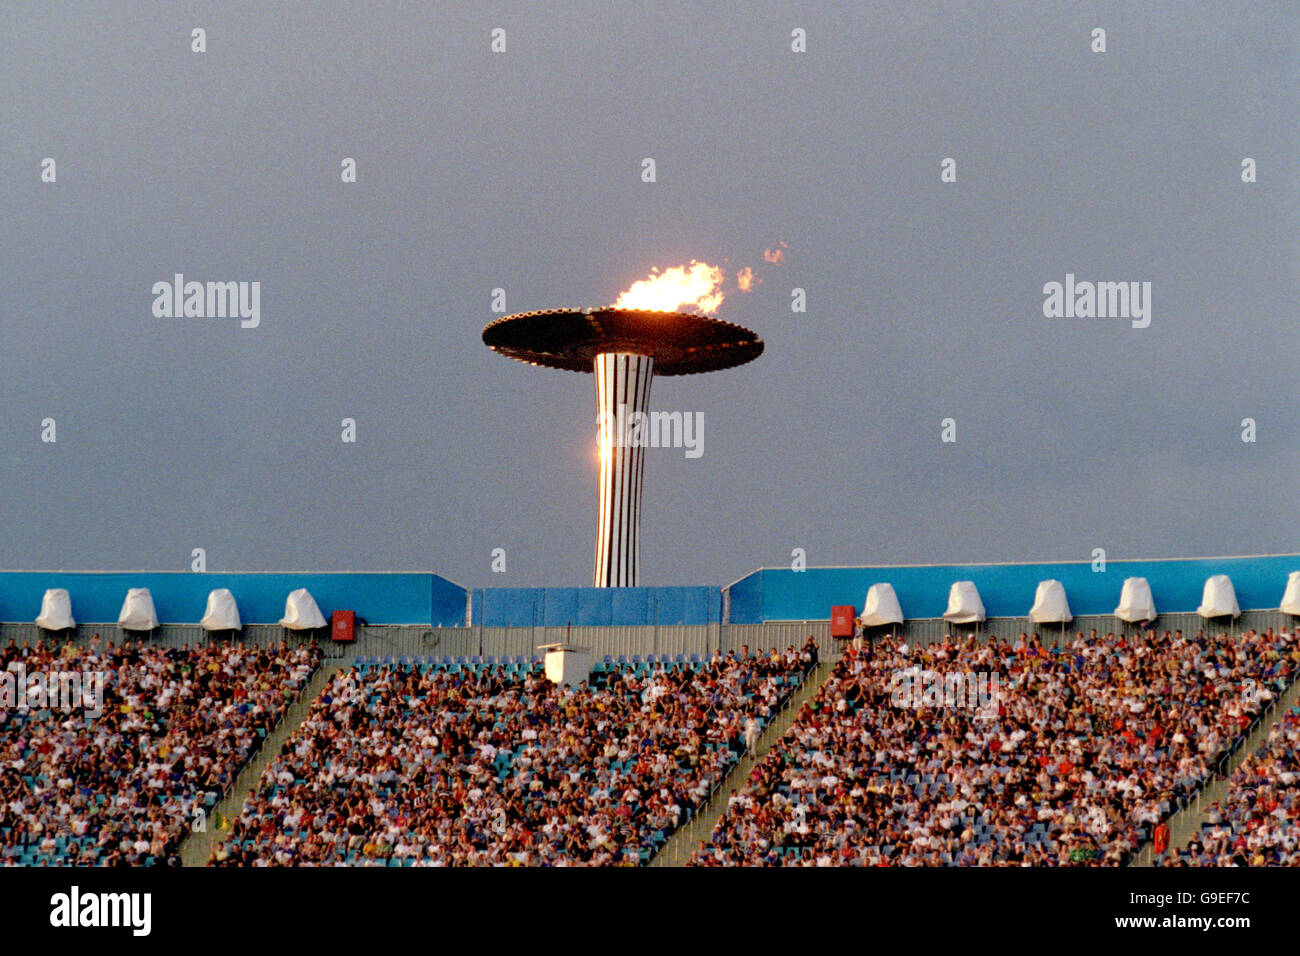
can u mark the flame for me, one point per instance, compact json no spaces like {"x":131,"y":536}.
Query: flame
{"x":698,"y":285}
{"x":694,"y":286}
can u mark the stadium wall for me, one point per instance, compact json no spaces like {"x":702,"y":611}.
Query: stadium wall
{"x":423,"y":601}
{"x":591,"y":607}
{"x":396,"y":598}
{"x":422,"y":641}
{"x":180,"y":596}
{"x":779,"y":594}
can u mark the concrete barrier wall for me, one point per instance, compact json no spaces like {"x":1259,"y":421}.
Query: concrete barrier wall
{"x":419,"y":641}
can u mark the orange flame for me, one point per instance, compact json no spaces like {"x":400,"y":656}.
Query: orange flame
{"x":694,"y":286}
{"x":698,"y":285}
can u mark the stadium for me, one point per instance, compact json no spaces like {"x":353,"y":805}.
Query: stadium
{"x":736,"y":447}
{"x":1141,"y":714}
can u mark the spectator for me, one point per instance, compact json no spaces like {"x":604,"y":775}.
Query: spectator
{"x":443,"y":766}
{"x":123,"y":787}
{"x":1082,"y":755}
{"x":1258,"y":823}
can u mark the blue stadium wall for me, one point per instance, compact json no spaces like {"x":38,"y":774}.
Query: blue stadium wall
{"x":769,"y":594}
{"x":180,"y":597}
{"x":780,"y":594}
{"x":593,"y":607}
{"x":380,"y":598}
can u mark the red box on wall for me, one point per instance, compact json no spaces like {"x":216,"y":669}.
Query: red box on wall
{"x":844,"y":619}
{"x":343,"y":626}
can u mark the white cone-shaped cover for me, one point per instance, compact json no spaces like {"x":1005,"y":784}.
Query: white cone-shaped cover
{"x":1050,"y":605}
{"x":1291,"y":599}
{"x":964,"y":604}
{"x":137,"y":611}
{"x":1135,"y":601}
{"x":56,"y":610}
{"x":301,"y":612}
{"x":221,"y":613}
{"x":881,"y":606}
{"x":1219,"y":599}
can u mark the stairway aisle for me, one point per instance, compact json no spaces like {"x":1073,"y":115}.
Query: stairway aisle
{"x":1186,"y":822}
{"x":677,"y":851}
{"x":198,"y":847}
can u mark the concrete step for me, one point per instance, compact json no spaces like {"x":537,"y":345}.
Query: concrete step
{"x":198,"y":847}
{"x":1187,"y":822}
{"x":677,"y":851}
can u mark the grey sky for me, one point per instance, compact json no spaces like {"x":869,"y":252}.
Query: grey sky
{"x":521,"y":170}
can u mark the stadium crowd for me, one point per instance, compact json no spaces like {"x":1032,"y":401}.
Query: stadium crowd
{"x":1085,"y":748}
{"x":1080,"y":751}
{"x":117,"y":781}
{"x":444,"y":764}
{"x":1258,"y":823}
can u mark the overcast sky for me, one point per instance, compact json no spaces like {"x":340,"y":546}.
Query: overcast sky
{"x":522,"y":170}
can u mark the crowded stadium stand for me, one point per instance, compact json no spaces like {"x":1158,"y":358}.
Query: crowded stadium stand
{"x":434,"y":736}
{"x":1086,"y":748}
{"x":120,"y":779}
{"x":1258,"y":824}
{"x":469,"y":761}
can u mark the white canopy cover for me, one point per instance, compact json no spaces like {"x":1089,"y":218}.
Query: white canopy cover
{"x":1135,"y":601}
{"x":964,"y":604}
{"x":301,"y":612}
{"x":137,"y":611}
{"x":1219,"y":599}
{"x":1291,"y":599}
{"x":881,"y":606}
{"x":221,"y":614}
{"x":1050,"y":605}
{"x":56,"y":610}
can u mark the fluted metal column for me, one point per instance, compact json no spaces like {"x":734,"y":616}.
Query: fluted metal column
{"x":622,"y":389}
